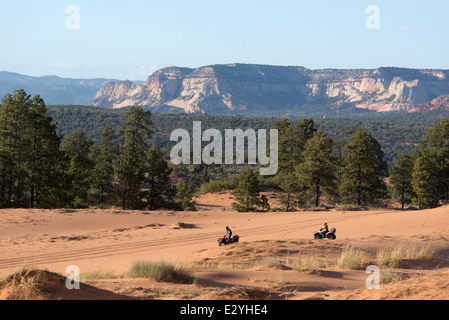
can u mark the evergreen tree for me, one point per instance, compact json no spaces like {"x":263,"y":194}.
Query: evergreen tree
{"x":133,"y":158}
{"x":15,"y":147}
{"x":289,"y":184}
{"x":292,"y":140}
{"x":306,"y":131}
{"x":364,"y":170}
{"x":42,"y":159}
{"x":318,"y":170}
{"x":247,"y":192}
{"x":29,"y":149}
{"x":59,"y":191}
{"x":264,"y":203}
{"x":423,"y":182}
{"x":436,"y":144}
{"x":184,"y":193}
{"x":159,"y":192}
{"x":401,"y":175}
{"x":103,"y":172}
{"x":77,"y":147}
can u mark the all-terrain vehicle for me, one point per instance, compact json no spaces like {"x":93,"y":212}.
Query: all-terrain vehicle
{"x":224,"y":241}
{"x":326,"y":235}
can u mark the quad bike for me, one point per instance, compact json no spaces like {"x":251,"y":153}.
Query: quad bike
{"x":329,"y":235}
{"x":224,"y":241}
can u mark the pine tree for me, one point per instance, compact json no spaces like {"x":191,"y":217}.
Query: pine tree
{"x":133,"y":158}
{"x":306,"y":131}
{"x":289,"y":184}
{"x":401,"y":175}
{"x":264,"y":203}
{"x":103,"y":172}
{"x":77,"y":147}
{"x":59,"y":190}
{"x":44,"y":156}
{"x":318,"y":170}
{"x":436,"y":144}
{"x":14,"y":147}
{"x":247,"y":192}
{"x":364,"y":170}
{"x":423,"y":183}
{"x":292,"y":140}
{"x":29,"y":150}
{"x":159,"y":192}
{"x":185,"y":191}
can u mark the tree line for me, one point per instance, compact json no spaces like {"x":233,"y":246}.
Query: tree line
{"x":39,"y":170}
{"x":315,"y":169}
{"x":397,"y":133}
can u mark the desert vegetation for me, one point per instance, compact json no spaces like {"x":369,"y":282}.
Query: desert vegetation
{"x":271,"y":273}
{"x":160,"y":271}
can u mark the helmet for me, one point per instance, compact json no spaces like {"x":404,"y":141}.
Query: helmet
{"x":325,"y":223}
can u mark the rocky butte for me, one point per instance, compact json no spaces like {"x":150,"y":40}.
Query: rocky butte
{"x":246,"y":89}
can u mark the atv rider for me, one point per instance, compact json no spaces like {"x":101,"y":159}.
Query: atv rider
{"x":324,"y":230}
{"x":228,"y":234}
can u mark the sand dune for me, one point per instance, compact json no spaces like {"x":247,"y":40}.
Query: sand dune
{"x":273,"y":261}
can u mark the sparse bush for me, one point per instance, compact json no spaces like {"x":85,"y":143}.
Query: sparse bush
{"x":181,"y":224}
{"x":160,"y":271}
{"x":391,"y":277}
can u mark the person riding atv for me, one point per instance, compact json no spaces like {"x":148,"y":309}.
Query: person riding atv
{"x":325,"y":233}
{"x":324,"y":230}
{"x":228,"y":238}
{"x":228,"y":234}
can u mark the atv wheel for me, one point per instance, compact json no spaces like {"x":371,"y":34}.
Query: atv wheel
{"x":331,"y":236}
{"x":317,"y":237}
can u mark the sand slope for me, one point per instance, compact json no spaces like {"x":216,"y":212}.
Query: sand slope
{"x":270,"y":242}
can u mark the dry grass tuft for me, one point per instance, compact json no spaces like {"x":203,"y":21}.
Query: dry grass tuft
{"x":160,"y":271}
{"x":271,"y":263}
{"x":30,"y":283}
{"x":391,"y":257}
{"x":242,"y":293}
{"x":311,"y":264}
{"x":353,"y":258}
{"x":98,"y":274}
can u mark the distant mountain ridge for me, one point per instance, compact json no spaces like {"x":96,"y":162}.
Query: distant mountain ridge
{"x":253,"y":89}
{"x":53,"y":89}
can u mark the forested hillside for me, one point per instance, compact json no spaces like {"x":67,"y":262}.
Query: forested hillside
{"x":397,"y":133}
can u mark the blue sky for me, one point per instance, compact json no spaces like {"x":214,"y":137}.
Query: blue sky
{"x":131,"y":39}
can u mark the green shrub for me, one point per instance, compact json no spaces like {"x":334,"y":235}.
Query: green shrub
{"x":219,"y":185}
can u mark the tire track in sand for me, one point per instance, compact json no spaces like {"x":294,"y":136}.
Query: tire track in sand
{"x":157,"y":244}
